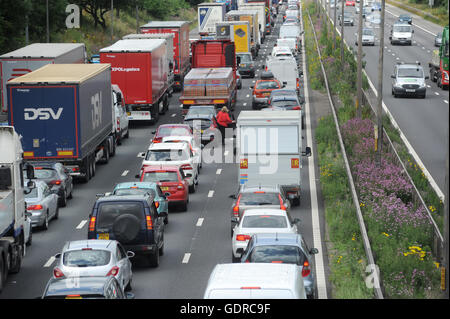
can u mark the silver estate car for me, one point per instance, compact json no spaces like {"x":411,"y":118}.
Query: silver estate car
{"x":95,"y":257}
{"x":42,"y":204}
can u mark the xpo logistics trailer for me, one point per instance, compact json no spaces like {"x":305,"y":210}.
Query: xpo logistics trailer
{"x":170,"y":57}
{"x":213,"y":78}
{"x":64,"y":113}
{"x":12,"y":203}
{"x":33,"y":56}
{"x":180,"y":30}
{"x":252,"y":17}
{"x":269,"y":150}
{"x":140,"y":69}
{"x":210,"y":13}
{"x":236,"y":31}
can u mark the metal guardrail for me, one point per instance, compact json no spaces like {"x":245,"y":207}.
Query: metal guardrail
{"x":366,"y":241}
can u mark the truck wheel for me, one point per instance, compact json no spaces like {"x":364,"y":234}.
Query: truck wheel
{"x":154,"y":259}
{"x":93,"y":166}
{"x":155,"y":113}
{"x":161,"y":107}
{"x":3,"y":266}
{"x":113,"y":148}
{"x":166,"y":103}
{"x":106,"y":151}
{"x":18,"y":262}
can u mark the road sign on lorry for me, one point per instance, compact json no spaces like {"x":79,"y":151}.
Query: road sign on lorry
{"x":260,"y":7}
{"x":236,"y":31}
{"x":140,"y":69}
{"x":210,"y":13}
{"x":32,"y":57}
{"x":269,"y":150}
{"x":180,"y":30}
{"x":64,"y":113}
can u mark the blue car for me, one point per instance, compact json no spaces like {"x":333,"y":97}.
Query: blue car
{"x":137,"y":188}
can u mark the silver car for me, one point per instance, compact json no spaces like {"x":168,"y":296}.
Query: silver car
{"x":438,"y":39}
{"x":95,"y":257}
{"x":368,"y":37}
{"x":409,"y":80}
{"x":348,"y":19}
{"x":42,"y":203}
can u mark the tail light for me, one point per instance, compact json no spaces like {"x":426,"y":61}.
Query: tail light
{"x":236,"y":207}
{"x":34,"y":207}
{"x":156,"y":204}
{"x":180,"y":186}
{"x":306,"y":270}
{"x":157,"y":140}
{"x":92,"y":224}
{"x":113,"y":272}
{"x":56,"y":182}
{"x":75,"y":169}
{"x":186,"y":166}
{"x":241,"y":237}
{"x":297,"y":108}
{"x":57,"y":273}
{"x":298,"y":83}
{"x":149,"y":222}
{"x":281,"y":203}
{"x":250,"y":287}
{"x":118,"y":125}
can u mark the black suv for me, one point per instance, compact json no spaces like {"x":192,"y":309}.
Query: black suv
{"x":131,"y":220}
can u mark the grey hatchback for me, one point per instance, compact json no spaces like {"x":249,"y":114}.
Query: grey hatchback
{"x":283,"y":248}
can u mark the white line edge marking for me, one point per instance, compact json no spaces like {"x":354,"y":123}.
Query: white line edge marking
{"x":125,"y":172}
{"x":174,"y":114}
{"x":81,"y":224}
{"x":445,"y":101}
{"x":219,"y":171}
{"x":50,"y":262}
{"x":211,"y":193}
{"x":186,"y":258}
{"x":317,"y":240}
{"x":199,"y":222}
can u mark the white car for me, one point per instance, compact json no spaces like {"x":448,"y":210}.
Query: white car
{"x":282,"y":51}
{"x":193,"y":144}
{"x":257,"y":221}
{"x":178,"y":154}
{"x":95,"y":257}
{"x":120,"y":122}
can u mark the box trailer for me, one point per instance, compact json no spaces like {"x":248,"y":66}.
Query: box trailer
{"x":269,"y":150}
{"x":64,"y":113}
{"x":260,"y":7}
{"x":139,"y":68}
{"x":180,"y":30}
{"x":252,"y":18}
{"x":210,"y":13}
{"x":236,"y":31}
{"x":170,"y":55}
{"x":32,"y":57}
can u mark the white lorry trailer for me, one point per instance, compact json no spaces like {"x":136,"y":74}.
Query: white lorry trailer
{"x":12,"y":203}
{"x":269,"y":150}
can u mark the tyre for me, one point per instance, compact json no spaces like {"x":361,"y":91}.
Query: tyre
{"x":192,"y":188}
{"x":234,"y":259}
{"x":56,"y":213}
{"x":166,"y":103}
{"x":94,"y":166}
{"x":161,"y":107}
{"x":70,"y":194}
{"x":161,"y":249}
{"x":106,"y":151}
{"x":153,"y":259}
{"x":127,"y":135}
{"x":155,"y":113}
{"x":30,"y":238}
{"x":166,"y":220}
{"x":87,"y":169}
{"x":45,"y":224}
{"x":63,"y":201}
{"x":16,"y":267}
{"x":184,"y":206}
{"x":128,"y":286}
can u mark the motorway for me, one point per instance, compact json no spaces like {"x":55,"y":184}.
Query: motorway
{"x":195,"y":241}
{"x":424,"y":122}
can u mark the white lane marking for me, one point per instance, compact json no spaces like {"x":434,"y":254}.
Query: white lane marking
{"x":389,"y":50}
{"x":423,"y":48}
{"x":181,"y":105}
{"x":244,"y":104}
{"x":428,"y":86}
{"x":219,"y":171}
{"x":248,"y":95}
{"x":186,"y":258}
{"x":317,"y":240}
{"x":199,"y":222}
{"x":211,"y":193}
{"x":445,"y":101}
{"x":436,"y":93}
{"x":81,"y":224}
{"x":397,"y":58}
{"x":125,"y":173}
{"x":254,"y":81}
{"x":412,"y":24}
{"x":50,"y":262}
{"x":225,"y":153}
{"x":174,"y":114}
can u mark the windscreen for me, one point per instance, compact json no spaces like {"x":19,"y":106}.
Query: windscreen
{"x":161,"y":177}
{"x":133,"y":191}
{"x":289,"y":31}
{"x":277,"y":253}
{"x":108,"y":212}
{"x":410,"y":73}
{"x":401,"y":28}
{"x":173,"y":131}
{"x":245,"y":58}
{"x":260,"y":199}
{"x":86,"y":258}
{"x":368,"y":32}
{"x":264,"y":221}
{"x":42,"y":173}
{"x":269,"y":139}
{"x":267,"y":85}
{"x":166,"y":155}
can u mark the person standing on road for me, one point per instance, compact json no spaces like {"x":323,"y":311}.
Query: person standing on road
{"x":223,"y":121}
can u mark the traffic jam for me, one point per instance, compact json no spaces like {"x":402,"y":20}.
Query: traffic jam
{"x":190,"y":124}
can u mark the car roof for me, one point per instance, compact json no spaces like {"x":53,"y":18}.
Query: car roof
{"x":264,"y":211}
{"x":153,"y":168}
{"x":260,"y":187}
{"x":409,"y":66}
{"x":84,"y":286}
{"x":167,"y":146}
{"x":263,"y":239}
{"x":89,"y":243}
{"x":126,"y":198}
{"x":186,"y":138}
{"x":175,"y":125}
{"x":127,"y":185}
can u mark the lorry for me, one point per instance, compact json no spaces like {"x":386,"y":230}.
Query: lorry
{"x":180,"y":30}
{"x":170,"y":55}
{"x":213,"y":78}
{"x":210,"y":13}
{"x":259,"y":7}
{"x":269,"y":150}
{"x":252,"y":18}
{"x":230,"y":4}
{"x":32,"y":57}
{"x":12,"y":203}
{"x":439,"y":62}
{"x":236,"y":31}
{"x":64,"y":113}
{"x":139,"y":67}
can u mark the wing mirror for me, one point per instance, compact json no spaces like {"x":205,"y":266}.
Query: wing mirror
{"x":240,"y":252}
{"x":130,"y":254}
{"x":57,"y":256}
{"x":233,"y":196}
{"x":314,"y":251}
{"x":297,"y":221}
{"x":307,"y":151}
{"x":392,"y":76}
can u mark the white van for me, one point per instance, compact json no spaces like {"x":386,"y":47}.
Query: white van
{"x":285,"y":70}
{"x":251,"y":281}
{"x":401,"y":33}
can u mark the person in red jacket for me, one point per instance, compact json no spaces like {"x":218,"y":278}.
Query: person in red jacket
{"x":223,"y":121}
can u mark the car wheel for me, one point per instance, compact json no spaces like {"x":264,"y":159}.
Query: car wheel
{"x":30,"y":238}
{"x":128,"y":286}
{"x":161,"y":249}
{"x":154,"y":259}
{"x":70,"y":194}
{"x":56,"y":213}
{"x":127,"y":135}
{"x":45,"y":224}
{"x":184,"y":206}
{"x":63,"y":200}
{"x":423,"y":96}
{"x":234,"y":259}
{"x":166,"y":220}
{"x":193,"y":187}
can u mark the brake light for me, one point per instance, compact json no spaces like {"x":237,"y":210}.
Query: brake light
{"x":236,"y":207}
{"x":57,"y":273}
{"x":113,"y":272}
{"x":298,"y":83}
{"x":276,"y":262}
{"x":157,"y":140}
{"x":75,"y":169}
{"x":250,"y":287}
{"x":241,"y":237}
{"x":149,"y":222}
{"x":92,"y":224}
{"x":297,"y":108}
{"x":156,"y":204}
{"x":56,"y":182}
{"x":34,"y":207}
{"x":281,"y":203}
{"x":180,"y":186}
{"x":186,"y":166}
{"x":306,"y":270}
{"x":259,"y":192}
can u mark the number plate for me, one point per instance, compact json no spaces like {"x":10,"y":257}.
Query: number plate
{"x":104,"y":236}
{"x":74,"y":297}
{"x":410,"y":90}
{"x":164,"y":188}
{"x":128,"y":113}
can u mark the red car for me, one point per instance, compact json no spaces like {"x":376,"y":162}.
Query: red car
{"x":171,"y":130}
{"x":170,"y":179}
{"x":350,"y":3}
